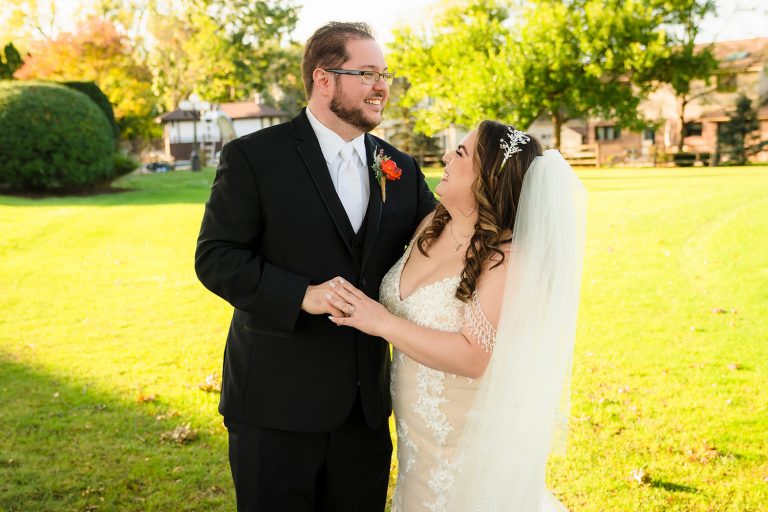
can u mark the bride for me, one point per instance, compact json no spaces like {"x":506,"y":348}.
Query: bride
{"x":481,"y":312}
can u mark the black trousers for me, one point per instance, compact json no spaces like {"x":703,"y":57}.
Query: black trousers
{"x":346,"y":470}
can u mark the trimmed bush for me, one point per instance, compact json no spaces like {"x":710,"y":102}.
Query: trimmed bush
{"x":92,"y":90}
{"x":52,"y":138}
{"x":124,"y":164}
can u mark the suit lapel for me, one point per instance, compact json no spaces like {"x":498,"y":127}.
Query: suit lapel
{"x":309,"y":150}
{"x":374,"y":204}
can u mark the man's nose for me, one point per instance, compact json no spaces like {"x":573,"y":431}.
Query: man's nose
{"x":381,"y":84}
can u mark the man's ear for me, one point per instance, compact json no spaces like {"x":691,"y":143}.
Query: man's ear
{"x":322,"y":82}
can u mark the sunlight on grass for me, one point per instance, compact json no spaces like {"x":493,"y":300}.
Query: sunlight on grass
{"x":101,"y":309}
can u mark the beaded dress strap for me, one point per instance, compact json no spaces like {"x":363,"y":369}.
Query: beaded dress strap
{"x":478,"y":325}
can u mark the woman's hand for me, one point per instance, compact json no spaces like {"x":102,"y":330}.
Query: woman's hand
{"x":361,"y":312}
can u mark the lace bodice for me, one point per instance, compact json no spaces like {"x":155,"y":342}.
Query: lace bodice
{"x":435,"y":305}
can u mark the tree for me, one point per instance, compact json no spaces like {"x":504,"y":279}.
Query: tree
{"x":458,"y":69}
{"x":225,"y":50}
{"x":686,"y":66}
{"x":236,"y":44}
{"x":10,"y":61}
{"x":285,"y":85}
{"x":173,"y":78}
{"x":557,"y":59}
{"x":586,"y":58}
{"x":407,"y":138}
{"x":26,"y":20}
{"x":737,"y":136}
{"x":98,"y":52}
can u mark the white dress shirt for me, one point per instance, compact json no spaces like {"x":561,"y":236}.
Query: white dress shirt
{"x":355,"y":202}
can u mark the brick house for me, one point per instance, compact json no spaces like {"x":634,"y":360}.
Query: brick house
{"x":743,"y":69}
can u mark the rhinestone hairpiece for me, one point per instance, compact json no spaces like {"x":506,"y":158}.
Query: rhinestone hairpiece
{"x":512,"y":146}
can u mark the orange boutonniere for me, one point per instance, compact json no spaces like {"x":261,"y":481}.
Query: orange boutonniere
{"x":384,"y":168}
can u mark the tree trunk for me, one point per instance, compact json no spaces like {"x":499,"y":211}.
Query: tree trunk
{"x":683,"y":104}
{"x":557,"y":124}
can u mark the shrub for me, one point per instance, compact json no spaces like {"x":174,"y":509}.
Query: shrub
{"x":124,"y":164}
{"x":92,"y":90}
{"x":52,"y":138}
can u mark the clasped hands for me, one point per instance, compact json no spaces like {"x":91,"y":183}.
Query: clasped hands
{"x":347,"y":306}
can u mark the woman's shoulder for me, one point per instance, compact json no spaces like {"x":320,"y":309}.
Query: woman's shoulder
{"x":489,"y":290}
{"x":426,"y":221}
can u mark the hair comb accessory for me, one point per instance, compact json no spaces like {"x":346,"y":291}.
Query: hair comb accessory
{"x":516,"y":138}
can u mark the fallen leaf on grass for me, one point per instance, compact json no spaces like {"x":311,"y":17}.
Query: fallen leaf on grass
{"x":734,"y":366}
{"x":640,"y":476}
{"x":165,"y":416}
{"x":211,"y":384}
{"x":180,"y":435}
{"x":702,"y":454}
{"x":143,"y":399}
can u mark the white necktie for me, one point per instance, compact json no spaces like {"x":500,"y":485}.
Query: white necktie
{"x":348,"y":186}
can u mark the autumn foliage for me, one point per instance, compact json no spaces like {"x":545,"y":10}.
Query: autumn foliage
{"x":98,"y":53}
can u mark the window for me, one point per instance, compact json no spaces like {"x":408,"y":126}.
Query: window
{"x":607,"y":132}
{"x":692,"y":130}
{"x":726,"y":82}
{"x":649,"y":134}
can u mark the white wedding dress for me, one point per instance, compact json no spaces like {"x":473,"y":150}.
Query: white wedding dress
{"x":430,"y":405}
{"x":481,"y":445}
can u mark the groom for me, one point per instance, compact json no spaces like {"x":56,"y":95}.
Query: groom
{"x":307,"y":403}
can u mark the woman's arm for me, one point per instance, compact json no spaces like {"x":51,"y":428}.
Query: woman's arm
{"x":458,"y":353}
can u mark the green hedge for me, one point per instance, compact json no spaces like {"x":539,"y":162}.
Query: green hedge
{"x":92,"y":90}
{"x":52,"y":138}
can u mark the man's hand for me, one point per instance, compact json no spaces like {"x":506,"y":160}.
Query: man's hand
{"x":316,"y":301}
{"x":360,"y":311}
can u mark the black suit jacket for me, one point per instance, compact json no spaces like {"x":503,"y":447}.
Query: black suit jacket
{"x":274,"y":225}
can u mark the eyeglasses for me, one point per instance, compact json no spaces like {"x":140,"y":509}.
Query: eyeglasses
{"x":369,"y":77}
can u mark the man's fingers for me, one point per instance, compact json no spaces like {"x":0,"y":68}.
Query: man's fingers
{"x":335,"y":306}
{"x":334,"y":311}
{"x":338,"y":320}
{"x":348,"y":287}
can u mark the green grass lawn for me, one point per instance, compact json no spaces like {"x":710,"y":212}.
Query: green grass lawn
{"x":100,"y":309}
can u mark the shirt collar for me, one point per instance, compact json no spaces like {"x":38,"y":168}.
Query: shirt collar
{"x":331,"y":142}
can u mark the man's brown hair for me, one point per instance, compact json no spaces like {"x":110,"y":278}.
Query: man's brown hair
{"x":327,"y":48}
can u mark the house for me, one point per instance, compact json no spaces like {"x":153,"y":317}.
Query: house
{"x":743,"y":69}
{"x":180,"y":126}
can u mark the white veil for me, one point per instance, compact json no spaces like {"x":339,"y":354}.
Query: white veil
{"x":521,"y":408}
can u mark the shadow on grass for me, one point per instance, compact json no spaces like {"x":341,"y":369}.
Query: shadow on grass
{"x":672,"y":487}
{"x":67,"y":445}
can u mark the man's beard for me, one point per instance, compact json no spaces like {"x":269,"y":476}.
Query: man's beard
{"x":351,"y":115}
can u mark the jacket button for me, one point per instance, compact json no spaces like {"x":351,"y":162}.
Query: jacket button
{"x":363,"y":282}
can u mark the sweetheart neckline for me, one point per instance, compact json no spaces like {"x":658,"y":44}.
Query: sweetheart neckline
{"x":403,"y":261}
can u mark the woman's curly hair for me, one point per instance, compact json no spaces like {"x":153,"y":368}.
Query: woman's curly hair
{"x":497,"y":193}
